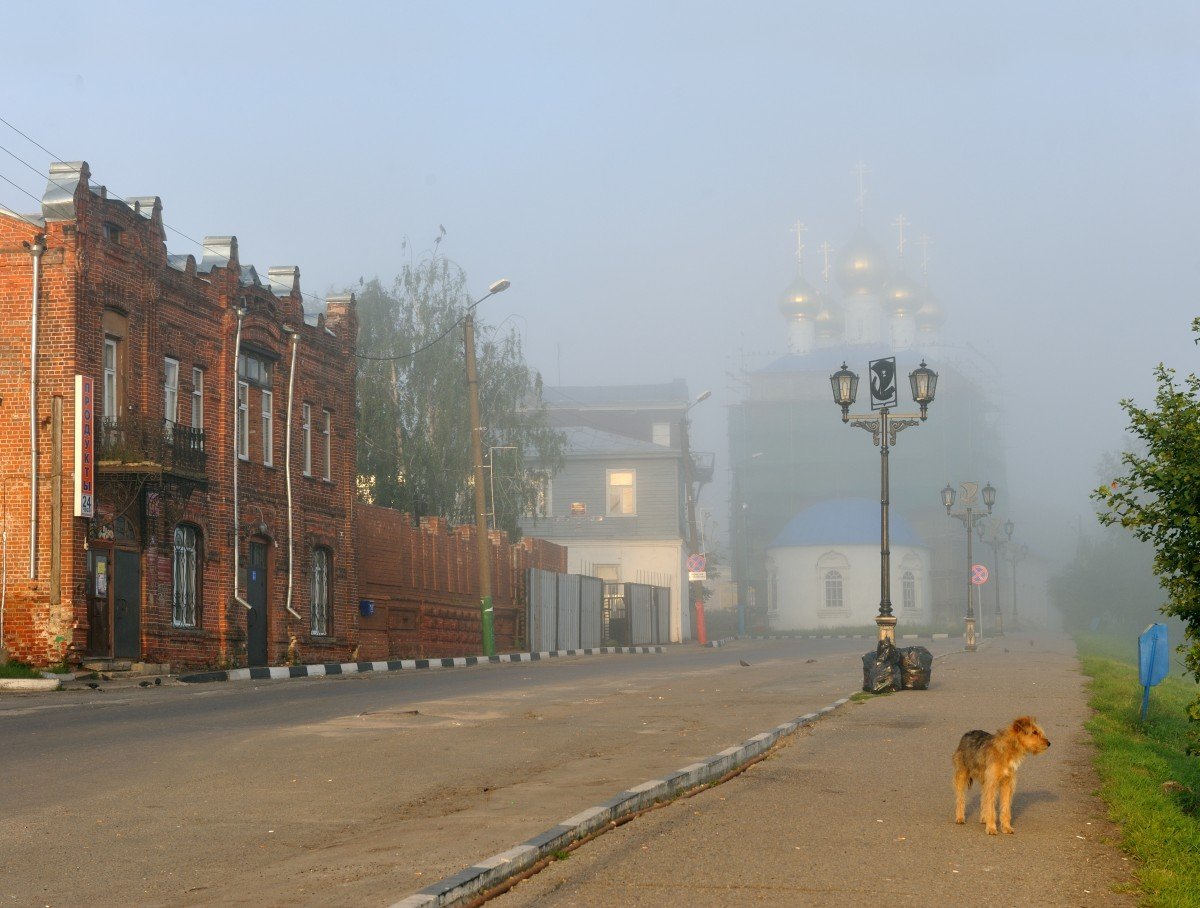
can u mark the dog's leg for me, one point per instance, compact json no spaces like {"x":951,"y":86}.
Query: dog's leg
{"x":962,"y":779}
{"x":1008,"y":785}
{"x":987,"y":801}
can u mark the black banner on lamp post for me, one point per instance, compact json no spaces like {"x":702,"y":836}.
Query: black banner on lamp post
{"x":883,"y":383}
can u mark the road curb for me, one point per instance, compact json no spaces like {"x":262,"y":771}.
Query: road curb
{"x":477,"y":879}
{"x":29,"y":684}
{"x":326,"y":669}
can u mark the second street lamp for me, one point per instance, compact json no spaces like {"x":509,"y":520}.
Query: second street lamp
{"x":884,"y":428}
{"x":968,"y":516}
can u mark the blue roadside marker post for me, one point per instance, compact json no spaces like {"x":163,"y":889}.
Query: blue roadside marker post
{"x":1153,"y":662}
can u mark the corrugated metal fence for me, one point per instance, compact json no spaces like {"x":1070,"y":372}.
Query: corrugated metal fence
{"x":574,"y":611}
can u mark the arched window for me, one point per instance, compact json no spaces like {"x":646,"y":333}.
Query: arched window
{"x":322,"y":561}
{"x":909,"y":590}
{"x":185,"y":570}
{"x":833,"y":589}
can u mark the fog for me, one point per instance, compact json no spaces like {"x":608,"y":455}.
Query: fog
{"x":636,"y":169}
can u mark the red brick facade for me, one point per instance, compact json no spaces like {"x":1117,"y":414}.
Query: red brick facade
{"x":424,"y":582}
{"x":156,"y":331}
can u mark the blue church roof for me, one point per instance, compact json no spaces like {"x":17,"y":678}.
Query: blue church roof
{"x":845,"y":521}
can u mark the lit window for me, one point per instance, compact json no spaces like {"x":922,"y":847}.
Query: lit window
{"x":306,"y":431}
{"x":833,"y":589}
{"x":170,"y":392}
{"x":326,"y":431}
{"x":268,"y":428}
{"x":184,"y":566}
{"x":243,"y":421}
{"x":320,"y":591}
{"x":622,"y":492}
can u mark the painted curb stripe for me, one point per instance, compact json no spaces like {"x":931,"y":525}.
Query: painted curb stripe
{"x":322,"y":669}
{"x":470,"y":882}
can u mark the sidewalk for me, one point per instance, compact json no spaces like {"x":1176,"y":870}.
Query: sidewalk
{"x":857,"y":809}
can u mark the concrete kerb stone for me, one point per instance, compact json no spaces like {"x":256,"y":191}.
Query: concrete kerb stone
{"x":473,"y":881}
{"x":325,"y":669}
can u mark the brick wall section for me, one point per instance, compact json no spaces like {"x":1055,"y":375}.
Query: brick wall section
{"x":424,"y":581}
{"x":106,"y":261}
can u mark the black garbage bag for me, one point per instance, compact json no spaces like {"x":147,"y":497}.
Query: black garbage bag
{"x":916,"y":667}
{"x":881,"y":669}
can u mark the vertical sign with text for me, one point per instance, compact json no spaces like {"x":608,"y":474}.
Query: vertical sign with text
{"x":85,"y":447}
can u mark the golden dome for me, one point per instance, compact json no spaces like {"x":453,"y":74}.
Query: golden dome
{"x":830,"y":320}
{"x":930,"y":315}
{"x":800,"y":300}
{"x":901,"y":297}
{"x":861,"y":266}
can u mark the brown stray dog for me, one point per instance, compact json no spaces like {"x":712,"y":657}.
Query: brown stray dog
{"x":992,"y":760}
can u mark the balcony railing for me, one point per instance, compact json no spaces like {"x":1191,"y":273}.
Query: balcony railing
{"x":147,"y":444}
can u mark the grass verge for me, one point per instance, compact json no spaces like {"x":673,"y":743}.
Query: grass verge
{"x":1148,"y":781}
{"x":17,"y":670}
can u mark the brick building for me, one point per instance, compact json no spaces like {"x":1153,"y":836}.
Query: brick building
{"x":217,"y":442}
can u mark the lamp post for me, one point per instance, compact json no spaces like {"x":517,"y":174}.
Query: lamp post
{"x":483,"y":544}
{"x":1015,"y":553}
{"x":884,"y":428}
{"x":689,"y":468}
{"x":968,"y":516}
{"x":997,"y":544}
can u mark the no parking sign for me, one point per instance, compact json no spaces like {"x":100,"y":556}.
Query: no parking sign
{"x":979,"y":574}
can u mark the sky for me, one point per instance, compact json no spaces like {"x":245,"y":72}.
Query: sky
{"x":635,"y":169}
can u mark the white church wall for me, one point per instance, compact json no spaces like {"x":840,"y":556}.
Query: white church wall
{"x":800,"y":586}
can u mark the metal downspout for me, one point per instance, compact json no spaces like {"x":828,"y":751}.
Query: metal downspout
{"x":237,"y":542}
{"x":36,"y":249}
{"x":287,"y":466}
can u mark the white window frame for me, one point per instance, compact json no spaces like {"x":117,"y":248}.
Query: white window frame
{"x":268,"y":427}
{"x":322,"y":566}
{"x":306,"y":434}
{"x":243,"y":421}
{"x":110,"y":379}
{"x":660,"y":434}
{"x":327,"y":431}
{"x":625,"y":503}
{"x":170,"y":391}
{"x":184,"y":570}
{"x":835,"y":589}
{"x":198,"y":399}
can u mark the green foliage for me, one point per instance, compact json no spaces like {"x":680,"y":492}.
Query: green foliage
{"x":18,"y":670}
{"x":1110,"y":581}
{"x":414,"y":451}
{"x":1147,"y":778}
{"x":1158,"y":498}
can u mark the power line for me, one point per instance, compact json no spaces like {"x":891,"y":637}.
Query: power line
{"x":67,"y":190}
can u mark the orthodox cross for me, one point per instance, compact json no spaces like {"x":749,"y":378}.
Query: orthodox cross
{"x":924,"y":243}
{"x":798,"y":228}
{"x":861,"y":172}
{"x":901,"y":222}
{"x":825,"y":250}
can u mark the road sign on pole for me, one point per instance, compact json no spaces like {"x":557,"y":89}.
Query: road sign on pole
{"x":696,"y":562}
{"x":979,"y":574}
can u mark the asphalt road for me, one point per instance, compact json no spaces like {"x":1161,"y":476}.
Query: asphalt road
{"x":361,"y":789}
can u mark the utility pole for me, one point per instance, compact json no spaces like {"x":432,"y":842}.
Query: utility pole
{"x":483,"y":545}
{"x":696,"y":587}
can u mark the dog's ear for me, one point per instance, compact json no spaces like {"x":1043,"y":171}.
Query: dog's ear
{"x":1024,"y":725}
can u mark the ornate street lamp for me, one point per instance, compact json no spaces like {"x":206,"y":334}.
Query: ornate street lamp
{"x":969,"y":518}
{"x":884,"y":428}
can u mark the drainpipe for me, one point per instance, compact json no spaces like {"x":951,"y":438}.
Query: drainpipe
{"x":287,"y":463}
{"x":35,"y":249}
{"x":237,"y":543}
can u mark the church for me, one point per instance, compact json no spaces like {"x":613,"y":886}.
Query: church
{"x":806,"y":488}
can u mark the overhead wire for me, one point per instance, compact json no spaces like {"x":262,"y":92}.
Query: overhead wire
{"x":190,"y":239}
